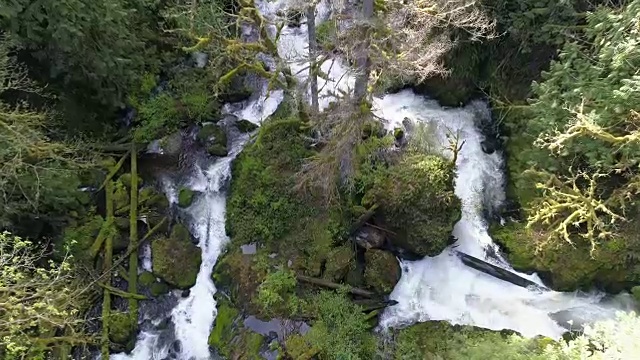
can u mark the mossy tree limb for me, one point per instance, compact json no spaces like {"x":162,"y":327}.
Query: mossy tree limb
{"x":133,"y":240}
{"x":114,"y":170}
{"x":123,"y":294}
{"x":108,"y":254}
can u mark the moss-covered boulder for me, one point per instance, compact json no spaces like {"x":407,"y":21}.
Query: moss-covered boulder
{"x":120,"y":328}
{"x":231,"y":339}
{"x":223,"y":326}
{"x":441,"y":340}
{"x":382,"y":271}
{"x":185,"y":197}
{"x":635,"y":292}
{"x":567,"y":267}
{"x":339,"y":262}
{"x":416,"y":202}
{"x":146,"y":278}
{"x":158,"y":288}
{"x":176,"y":259}
{"x":245,"y":126}
{"x":214,"y":138}
{"x":218,"y":150}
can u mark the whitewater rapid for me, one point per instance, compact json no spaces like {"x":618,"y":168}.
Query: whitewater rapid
{"x":442,"y":287}
{"x":434,"y":288}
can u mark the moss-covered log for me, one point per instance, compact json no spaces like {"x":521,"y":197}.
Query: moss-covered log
{"x":335,"y":286}
{"x":133,"y":240}
{"x":107,"y":266}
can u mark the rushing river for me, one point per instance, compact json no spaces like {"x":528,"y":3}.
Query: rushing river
{"x":434,"y":288}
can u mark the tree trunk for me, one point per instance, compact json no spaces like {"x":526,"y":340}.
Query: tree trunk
{"x":313,"y":51}
{"x":108,"y":258}
{"x":133,"y":240}
{"x":363,"y":63}
{"x":335,"y":286}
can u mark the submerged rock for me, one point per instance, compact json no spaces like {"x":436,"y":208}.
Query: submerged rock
{"x":382,"y":271}
{"x":176,"y":259}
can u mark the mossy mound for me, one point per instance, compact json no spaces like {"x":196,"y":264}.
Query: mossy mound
{"x":185,"y":197}
{"x":417,"y":203}
{"x":146,"y":278}
{"x":231,"y":339}
{"x":215,"y":139}
{"x":441,"y":340}
{"x":120,"y":328}
{"x":245,"y":126}
{"x":567,"y":267}
{"x":176,"y":259}
{"x":338,"y":263}
{"x":158,"y":288}
{"x":382,"y":271}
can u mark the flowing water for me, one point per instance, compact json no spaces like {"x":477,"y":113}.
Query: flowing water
{"x":434,"y":288}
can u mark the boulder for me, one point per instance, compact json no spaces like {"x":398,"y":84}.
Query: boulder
{"x":382,"y":271}
{"x":185,"y":197}
{"x":369,"y":237}
{"x":214,"y":138}
{"x":120,"y":328}
{"x":175,"y":259}
{"x":245,"y":126}
{"x":339,"y":261}
{"x":171,"y":144}
{"x":488,"y":146}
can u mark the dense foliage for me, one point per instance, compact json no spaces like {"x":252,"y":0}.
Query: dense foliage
{"x":326,"y":199}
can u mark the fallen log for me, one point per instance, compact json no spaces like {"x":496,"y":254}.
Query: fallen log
{"x":497,"y":272}
{"x":363,"y":219}
{"x":133,"y":241}
{"x":335,"y":286}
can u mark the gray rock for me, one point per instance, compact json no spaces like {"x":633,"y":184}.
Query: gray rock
{"x":369,"y":237}
{"x":200,"y":59}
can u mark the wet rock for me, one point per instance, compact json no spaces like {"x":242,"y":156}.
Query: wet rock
{"x":176,"y":259}
{"x":185,"y":197}
{"x":125,"y":179}
{"x":185,"y":293}
{"x":214,"y":138}
{"x":172,"y":144}
{"x":488,"y":146}
{"x":200,"y":59}
{"x":246,"y":126}
{"x":382,"y":271}
{"x":177,"y":346}
{"x":120,"y":242}
{"x":369,"y":237}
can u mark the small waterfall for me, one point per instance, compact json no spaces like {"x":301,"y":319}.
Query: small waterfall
{"x":193,"y":316}
{"x":434,"y":288}
{"x":441,"y":287}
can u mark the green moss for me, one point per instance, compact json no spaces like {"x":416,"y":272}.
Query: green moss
{"x":325,"y":34}
{"x":185,"y":197}
{"x":176,"y":259}
{"x":398,"y":133}
{"x":157,"y":116}
{"x":215,"y":138}
{"x":382,"y":271}
{"x":146,"y":278}
{"x":416,"y":202}
{"x":192,"y":88}
{"x":120,"y":328}
{"x":441,"y":340}
{"x":222,"y":331}
{"x":246,"y":126}
{"x":635,"y":291}
{"x":299,"y":348}
{"x":338,"y":263}
{"x":217,"y":150}
{"x":568,"y":267}
{"x":158,"y":289}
